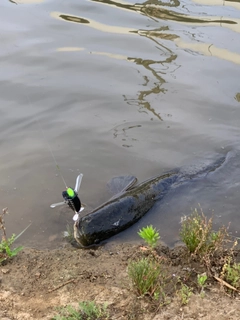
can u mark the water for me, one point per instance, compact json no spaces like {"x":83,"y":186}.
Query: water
{"x":114,"y":87}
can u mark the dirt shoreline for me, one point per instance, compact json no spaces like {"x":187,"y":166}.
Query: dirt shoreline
{"x":35,"y":282}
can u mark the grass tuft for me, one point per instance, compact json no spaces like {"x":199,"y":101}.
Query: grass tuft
{"x":144,"y":274}
{"x":231,"y":274}
{"x":184,"y":294}
{"x":6,"y":252}
{"x":87,"y":310}
{"x":199,"y":237}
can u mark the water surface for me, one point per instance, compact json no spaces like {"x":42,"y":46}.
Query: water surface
{"x":115,"y":87}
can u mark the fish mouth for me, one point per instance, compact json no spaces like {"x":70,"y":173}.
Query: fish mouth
{"x":76,"y":233}
{"x":80,"y":238}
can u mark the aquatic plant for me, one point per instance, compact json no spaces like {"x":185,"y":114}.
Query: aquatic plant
{"x":150,"y":235}
{"x":87,"y":310}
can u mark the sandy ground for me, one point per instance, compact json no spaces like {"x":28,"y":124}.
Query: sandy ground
{"x":35,"y":282}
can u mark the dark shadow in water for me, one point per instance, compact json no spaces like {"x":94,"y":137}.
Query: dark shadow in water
{"x":12,"y":1}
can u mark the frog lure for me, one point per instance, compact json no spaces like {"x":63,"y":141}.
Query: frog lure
{"x":72,"y":199}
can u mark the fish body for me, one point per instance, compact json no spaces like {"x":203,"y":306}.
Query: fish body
{"x":122,"y":211}
{"x":128,"y":206}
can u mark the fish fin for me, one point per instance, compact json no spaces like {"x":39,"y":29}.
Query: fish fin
{"x":120,"y":184}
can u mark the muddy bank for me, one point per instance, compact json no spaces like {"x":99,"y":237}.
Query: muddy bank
{"x":35,"y":282}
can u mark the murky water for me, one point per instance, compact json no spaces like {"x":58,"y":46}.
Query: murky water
{"x":114,"y":87}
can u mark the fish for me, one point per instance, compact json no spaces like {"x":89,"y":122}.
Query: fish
{"x":131,"y":203}
{"x":123,"y":210}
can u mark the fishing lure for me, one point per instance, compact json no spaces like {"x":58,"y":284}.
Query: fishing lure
{"x":71,"y":198}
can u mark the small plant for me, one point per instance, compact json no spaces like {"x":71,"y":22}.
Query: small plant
{"x":87,"y":310}
{"x":184,"y":294}
{"x":231,"y":273}
{"x":196,"y":232}
{"x":201,"y":279}
{"x":5,"y":249}
{"x":6,"y":243}
{"x":145,"y":274}
{"x":150,"y":235}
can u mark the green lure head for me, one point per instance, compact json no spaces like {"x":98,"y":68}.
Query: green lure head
{"x":70,"y":192}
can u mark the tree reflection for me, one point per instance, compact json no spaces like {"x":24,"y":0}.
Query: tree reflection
{"x":156,"y":67}
{"x":156,"y":10}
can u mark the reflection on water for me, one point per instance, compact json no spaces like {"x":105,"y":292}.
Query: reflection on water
{"x":210,"y":50}
{"x":225,"y":3}
{"x":178,"y":17}
{"x":154,"y":9}
{"x":155,"y":67}
{"x":91,"y":23}
{"x":125,"y":133}
{"x":237,"y":97}
{"x":156,"y":88}
{"x":25,"y":1}
{"x":73,"y":19}
{"x":157,"y":10}
{"x":138,"y":6}
{"x":69,"y":49}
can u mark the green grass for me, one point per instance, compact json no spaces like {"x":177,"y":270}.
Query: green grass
{"x":231,"y":274}
{"x":5,"y":249}
{"x":145,"y":274}
{"x":184,"y":294}
{"x":150,"y":235}
{"x":198,"y":235}
{"x":87,"y":310}
{"x":201,"y":279}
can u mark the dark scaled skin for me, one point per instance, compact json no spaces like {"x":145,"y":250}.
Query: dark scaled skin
{"x":123,"y":211}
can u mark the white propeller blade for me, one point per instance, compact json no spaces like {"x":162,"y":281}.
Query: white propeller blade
{"x":78,"y":182}
{"x":54,"y":205}
{"x":75,"y":217}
